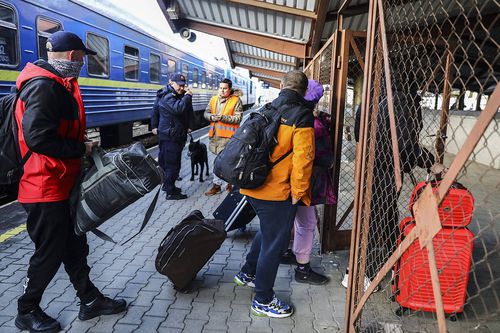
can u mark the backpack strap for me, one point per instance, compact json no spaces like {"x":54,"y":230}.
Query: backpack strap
{"x":282,"y":157}
{"x":18,"y":94}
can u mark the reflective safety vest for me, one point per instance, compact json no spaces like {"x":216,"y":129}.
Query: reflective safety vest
{"x":223,"y":129}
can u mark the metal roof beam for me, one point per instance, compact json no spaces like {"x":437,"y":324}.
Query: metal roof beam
{"x":262,"y":70}
{"x":348,"y":12}
{"x":319,"y":26}
{"x":164,"y":4}
{"x":272,"y":82}
{"x":250,"y":56}
{"x":268,"y":43}
{"x":229,"y":53}
{"x":276,"y":7}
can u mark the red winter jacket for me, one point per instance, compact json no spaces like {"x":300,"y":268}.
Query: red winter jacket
{"x":51,"y":121}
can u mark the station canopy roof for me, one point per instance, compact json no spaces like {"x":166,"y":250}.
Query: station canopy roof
{"x":267,"y":37}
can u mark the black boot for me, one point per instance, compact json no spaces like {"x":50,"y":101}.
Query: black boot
{"x":37,"y":321}
{"x":176,"y":196}
{"x":101,"y":306}
{"x":288,"y":258}
{"x":305,"y":274}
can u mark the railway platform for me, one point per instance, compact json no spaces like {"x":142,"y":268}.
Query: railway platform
{"x":215,"y":303}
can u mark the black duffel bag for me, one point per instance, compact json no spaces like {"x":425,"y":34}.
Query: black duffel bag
{"x":187,"y":247}
{"x":117,"y":179}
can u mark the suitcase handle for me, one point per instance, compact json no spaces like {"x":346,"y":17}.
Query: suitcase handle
{"x":97,"y":154}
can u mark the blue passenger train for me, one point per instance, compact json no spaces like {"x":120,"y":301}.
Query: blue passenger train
{"x":119,"y":84}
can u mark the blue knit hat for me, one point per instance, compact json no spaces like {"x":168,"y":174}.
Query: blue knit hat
{"x":314,"y":91}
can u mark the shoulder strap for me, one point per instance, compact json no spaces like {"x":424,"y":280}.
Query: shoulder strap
{"x":145,"y":221}
{"x":18,"y":94}
{"x":280,"y":110}
{"x":282,"y":157}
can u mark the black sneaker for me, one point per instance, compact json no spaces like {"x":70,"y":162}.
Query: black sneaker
{"x":102,"y":305}
{"x":309,"y":276}
{"x":176,"y":196}
{"x":288,"y":258}
{"x":37,"y":321}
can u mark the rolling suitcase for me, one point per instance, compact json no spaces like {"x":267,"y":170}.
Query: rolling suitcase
{"x":456,"y":208}
{"x":187,"y":247}
{"x":235,"y":211}
{"x":412,"y":284}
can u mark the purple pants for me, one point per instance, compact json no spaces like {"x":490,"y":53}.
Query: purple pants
{"x":304,"y":224}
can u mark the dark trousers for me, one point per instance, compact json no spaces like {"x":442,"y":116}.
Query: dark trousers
{"x":384,"y":219}
{"x":276,"y":221}
{"x":170,"y":161}
{"x":51,"y":229}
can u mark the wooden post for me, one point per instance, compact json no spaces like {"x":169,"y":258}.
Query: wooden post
{"x":349,"y":322}
{"x":438,"y":298}
{"x":338,"y":93}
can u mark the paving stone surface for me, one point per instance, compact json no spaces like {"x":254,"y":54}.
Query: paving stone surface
{"x":215,"y":304}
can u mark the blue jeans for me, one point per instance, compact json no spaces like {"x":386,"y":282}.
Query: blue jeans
{"x":276,"y":221}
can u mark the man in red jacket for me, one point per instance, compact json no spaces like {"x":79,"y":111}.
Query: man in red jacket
{"x":51,"y":121}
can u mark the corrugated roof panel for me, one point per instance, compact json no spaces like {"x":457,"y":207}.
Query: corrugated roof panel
{"x":262,"y":64}
{"x":243,"y":17}
{"x":258,"y":52}
{"x":265,"y":76}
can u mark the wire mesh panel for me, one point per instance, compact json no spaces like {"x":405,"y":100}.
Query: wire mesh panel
{"x":356,"y":44}
{"x":432,"y":74}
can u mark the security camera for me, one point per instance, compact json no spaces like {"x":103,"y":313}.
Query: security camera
{"x":187,"y":34}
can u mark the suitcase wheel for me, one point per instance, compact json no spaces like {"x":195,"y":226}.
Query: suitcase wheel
{"x":453,"y":317}
{"x":402,"y":311}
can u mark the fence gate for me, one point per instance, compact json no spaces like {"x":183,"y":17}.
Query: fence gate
{"x":430,"y":94}
{"x":339,"y":67}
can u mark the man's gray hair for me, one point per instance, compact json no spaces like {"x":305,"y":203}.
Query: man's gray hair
{"x":295,"y":80}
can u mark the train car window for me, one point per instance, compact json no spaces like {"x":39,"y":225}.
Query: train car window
{"x":98,"y":65}
{"x":214,"y":82}
{"x":251,"y":87}
{"x":195,"y":77}
{"x":131,"y":63}
{"x":172,"y":65}
{"x":9,"y":41}
{"x":210,"y":83}
{"x":45,"y":27}
{"x":185,"y":70}
{"x":203,"y":80}
{"x":154,"y":67}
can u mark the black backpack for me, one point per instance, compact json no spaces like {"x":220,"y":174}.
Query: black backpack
{"x":244,"y":162}
{"x":11,"y":161}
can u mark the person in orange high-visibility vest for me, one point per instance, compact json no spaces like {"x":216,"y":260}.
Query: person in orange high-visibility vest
{"x":224,"y":112}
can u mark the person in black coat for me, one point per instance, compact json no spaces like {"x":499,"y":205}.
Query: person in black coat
{"x":171,"y":120}
{"x":384,"y":215}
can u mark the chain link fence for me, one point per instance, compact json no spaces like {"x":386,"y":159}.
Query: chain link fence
{"x":431,"y":76}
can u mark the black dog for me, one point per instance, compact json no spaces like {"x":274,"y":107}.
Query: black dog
{"x":198,"y":154}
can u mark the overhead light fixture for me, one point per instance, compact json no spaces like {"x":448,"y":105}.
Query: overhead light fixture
{"x":187,"y":34}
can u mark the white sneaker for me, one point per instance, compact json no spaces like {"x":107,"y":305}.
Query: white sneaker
{"x":345,"y":280}
{"x":367,"y":282}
